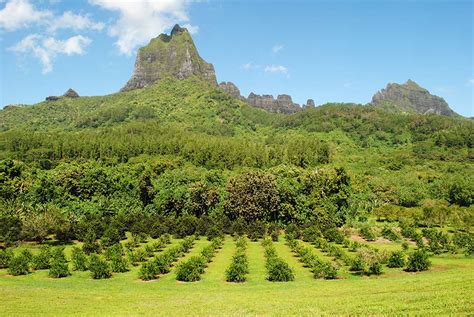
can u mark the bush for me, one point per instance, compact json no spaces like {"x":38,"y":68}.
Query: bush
{"x":238,"y":269}
{"x":214,"y":232}
{"x":118,"y":264}
{"x":375,"y":268}
{"x":27,"y":254}
{"x":113,"y":251}
{"x":312,"y":233}
{"x":418,"y":261}
{"x":90,"y":243}
{"x":279,"y":271}
{"x":18,"y":265}
{"x":239,"y":226}
{"x":334,"y":235}
{"x":148,"y":271}
{"x":367,"y":233}
{"x":397,"y":259}
{"x":41,"y":260}
{"x":256,"y":230}
{"x":79,"y":259}
{"x":293,"y":230}
{"x":390,"y":234}
{"x":326,"y":270}
{"x":111,"y":236}
{"x":5,"y":257}
{"x":191,"y":270}
{"x":99,"y":268}
{"x":58,"y":268}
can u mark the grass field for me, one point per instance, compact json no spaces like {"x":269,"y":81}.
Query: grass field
{"x":447,"y":288}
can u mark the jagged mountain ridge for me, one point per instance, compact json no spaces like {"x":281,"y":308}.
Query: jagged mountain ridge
{"x":410,"y":97}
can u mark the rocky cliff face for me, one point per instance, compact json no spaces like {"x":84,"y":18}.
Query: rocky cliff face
{"x":231,"y":89}
{"x":173,"y":55}
{"x":410,"y":97}
{"x":282,"y":104}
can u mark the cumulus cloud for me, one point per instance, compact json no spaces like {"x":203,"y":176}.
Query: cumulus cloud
{"x":76,"y":22}
{"x":277,"y":48}
{"x":276,"y":69}
{"x":45,"y":49}
{"x":19,"y":14}
{"x":141,"y":20}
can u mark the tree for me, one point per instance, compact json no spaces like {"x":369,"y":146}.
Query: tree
{"x":252,"y":196}
{"x":10,"y":229}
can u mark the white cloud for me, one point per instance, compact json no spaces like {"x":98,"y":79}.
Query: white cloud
{"x":19,"y":14}
{"x":249,"y":66}
{"x":47,"y":48}
{"x":276,"y":69}
{"x":470,"y":82}
{"x":76,"y":22}
{"x":277,"y":48}
{"x":141,"y":20}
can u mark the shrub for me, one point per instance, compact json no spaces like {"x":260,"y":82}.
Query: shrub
{"x":148,"y":271}
{"x":293,"y":230}
{"x":111,"y":236}
{"x":326,"y":270}
{"x":279,"y":271}
{"x":113,"y":251}
{"x":27,"y":254}
{"x":334,"y":235}
{"x":397,"y":259}
{"x":367,"y":233}
{"x":256,"y":230}
{"x":99,"y":268}
{"x":238,"y":269}
{"x":118,"y":264}
{"x":418,"y":261}
{"x":59,"y":268}
{"x":375,"y":268}
{"x":18,"y":265}
{"x":90,"y":243}
{"x":191,"y":270}
{"x":214,"y":232}
{"x":312,"y":233}
{"x":239,"y":226}
{"x":390,"y":234}
{"x":79,"y":259}
{"x":5,"y":257}
{"x":41,"y":260}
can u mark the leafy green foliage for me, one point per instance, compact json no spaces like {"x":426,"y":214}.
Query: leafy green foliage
{"x":79,"y":259}
{"x":418,"y":261}
{"x":18,"y":265}
{"x":99,"y":268}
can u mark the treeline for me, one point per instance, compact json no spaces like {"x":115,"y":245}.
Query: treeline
{"x":127,"y":141}
{"x":72,"y":197}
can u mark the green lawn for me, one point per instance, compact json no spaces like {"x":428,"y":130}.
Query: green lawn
{"x":446,"y":289}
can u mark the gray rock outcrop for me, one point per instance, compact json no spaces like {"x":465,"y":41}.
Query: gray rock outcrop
{"x":173,"y":55}
{"x":410,"y":97}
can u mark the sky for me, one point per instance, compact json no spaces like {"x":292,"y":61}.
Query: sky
{"x":330,"y":51}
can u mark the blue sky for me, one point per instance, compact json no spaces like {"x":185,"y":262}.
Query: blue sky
{"x":331,"y":51}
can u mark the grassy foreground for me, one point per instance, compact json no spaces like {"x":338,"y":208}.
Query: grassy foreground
{"x":446,"y":289}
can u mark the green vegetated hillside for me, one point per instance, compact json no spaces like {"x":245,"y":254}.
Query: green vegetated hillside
{"x":357,"y":191}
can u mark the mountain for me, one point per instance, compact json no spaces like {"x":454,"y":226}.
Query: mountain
{"x":173,"y":55}
{"x":282,"y":104}
{"x":410,"y":97}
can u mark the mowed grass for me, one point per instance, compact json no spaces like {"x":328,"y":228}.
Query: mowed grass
{"x":446,"y":289}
